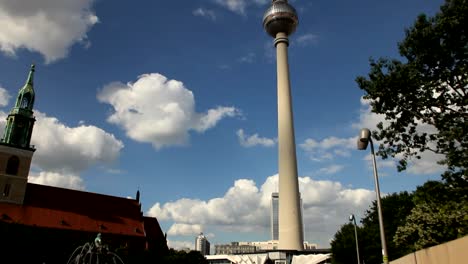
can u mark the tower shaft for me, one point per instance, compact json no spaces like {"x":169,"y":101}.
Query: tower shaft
{"x":290,"y":218}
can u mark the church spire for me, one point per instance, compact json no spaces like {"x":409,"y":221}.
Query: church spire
{"x":31,"y":75}
{"x":20,"y":121}
{"x":25,"y":99}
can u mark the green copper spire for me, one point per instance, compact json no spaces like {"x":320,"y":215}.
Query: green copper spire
{"x":31,"y":75}
{"x":25,"y":98}
{"x":20,"y":121}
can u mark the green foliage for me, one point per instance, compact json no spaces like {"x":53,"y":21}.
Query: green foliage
{"x":424,"y":98}
{"x":434,"y":213}
{"x":176,"y":257}
{"x":395,"y":208}
{"x":343,"y":245}
{"x":430,"y":224}
{"x":440,"y":215}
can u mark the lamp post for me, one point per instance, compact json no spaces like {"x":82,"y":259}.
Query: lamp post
{"x":353,"y":219}
{"x":363,"y":141}
{"x":280,"y":20}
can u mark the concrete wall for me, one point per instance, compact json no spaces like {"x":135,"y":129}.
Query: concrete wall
{"x":453,"y":252}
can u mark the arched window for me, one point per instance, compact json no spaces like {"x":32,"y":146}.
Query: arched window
{"x":12,"y":165}
{"x":25,"y":101}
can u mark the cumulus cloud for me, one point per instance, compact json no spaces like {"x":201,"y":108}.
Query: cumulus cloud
{"x":254,"y":140}
{"x":325,"y":205}
{"x":49,"y":27}
{"x":184,"y":229}
{"x":63,"y":152}
{"x":61,"y":148}
{"x":428,"y":162}
{"x":328,"y":148}
{"x":159,"y":111}
{"x":180,"y":244}
{"x":206,"y":13}
{"x":69,"y":181}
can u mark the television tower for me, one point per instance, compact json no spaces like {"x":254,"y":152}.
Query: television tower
{"x":280,"y":20}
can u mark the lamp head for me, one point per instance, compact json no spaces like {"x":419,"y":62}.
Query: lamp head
{"x":364,"y":138}
{"x":351,"y":217}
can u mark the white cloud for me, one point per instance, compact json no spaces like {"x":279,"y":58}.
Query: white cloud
{"x":63,"y":152}
{"x":328,"y":148}
{"x":203,"y":12}
{"x":249,"y":58}
{"x":332,"y":169}
{"x":254,"y":140}
{"x":239,"y":6}
{"x":203,"y":122}
{"x":71,"y":149}
{"x":4,"y":97}
{"x":326,"y":205}
{"x":180,"y":245}
{"x":49,"y":27}
{"x":428,"y":162}
{"x":69,"y":181}
{"x":307,"y":39}
{"x":367,"y":119}
{"x":184,"y":230}
{"x":159,"y":111}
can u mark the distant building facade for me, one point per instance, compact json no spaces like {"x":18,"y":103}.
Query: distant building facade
{"x":202,"y":244}
{"x":274,"y":215}
{"x":274,"y":212}
{"x":252,"y":247}
{"x":234,"y":248}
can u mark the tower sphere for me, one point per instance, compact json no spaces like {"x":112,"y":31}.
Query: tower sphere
{"x":280,"y":17}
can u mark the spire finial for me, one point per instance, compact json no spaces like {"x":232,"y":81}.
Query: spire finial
{"x":31,"y":74}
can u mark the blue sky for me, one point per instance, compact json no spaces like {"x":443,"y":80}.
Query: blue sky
{"x":178,"y":99}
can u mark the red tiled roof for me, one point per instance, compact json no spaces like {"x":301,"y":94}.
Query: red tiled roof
{"x":152,"y":227}
{"x":52,"y":207}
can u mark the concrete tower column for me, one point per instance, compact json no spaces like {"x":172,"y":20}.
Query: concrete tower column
{"x":280,"y":20}
{"x":290,"y":220}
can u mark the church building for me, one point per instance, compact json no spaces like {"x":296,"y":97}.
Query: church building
{"x":45,"y":224}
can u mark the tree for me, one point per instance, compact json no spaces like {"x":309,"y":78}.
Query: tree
{"x":424,"y":97}
{"x":395,"y":208}
{"x":343,"y":245}
{"x":176,"y":257}
{"x":440,"y":215}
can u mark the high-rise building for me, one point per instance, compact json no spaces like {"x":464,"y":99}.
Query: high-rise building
{"x":274,"y":215}
{"x":202,"y":244}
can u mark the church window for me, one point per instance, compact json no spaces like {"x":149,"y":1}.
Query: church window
{"x":12,"y":165}
{"x":25,"y":101}
{"x":6,"y":190}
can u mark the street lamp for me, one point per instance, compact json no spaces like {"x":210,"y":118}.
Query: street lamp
{"x":363,"y":141}
{"x":351,"y":218}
